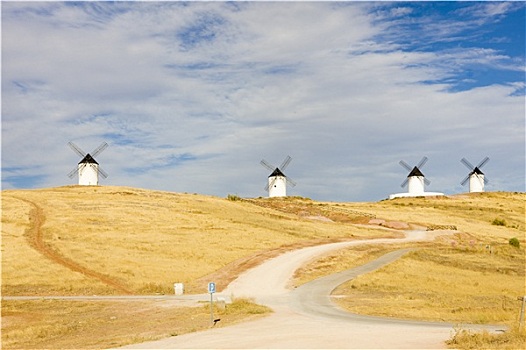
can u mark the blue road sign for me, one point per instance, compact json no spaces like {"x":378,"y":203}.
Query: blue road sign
{"x":211,"y":287}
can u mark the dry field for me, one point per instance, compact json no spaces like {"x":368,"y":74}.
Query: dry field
{"x":116,"y":240}
{"x":473,"y":276}
{"x":57,"y":324}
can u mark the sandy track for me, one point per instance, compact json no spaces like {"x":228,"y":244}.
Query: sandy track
{"x":35,"y":239}
{"x":306,"y":318}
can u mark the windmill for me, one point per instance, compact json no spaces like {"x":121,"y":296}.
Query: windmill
{"x":415,"y":180}
{"x":277,"y":180}
{"x":88,"y":169}
{"x":476,"y":177}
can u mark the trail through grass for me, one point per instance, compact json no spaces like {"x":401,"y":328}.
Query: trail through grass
{"x":106,"y":240}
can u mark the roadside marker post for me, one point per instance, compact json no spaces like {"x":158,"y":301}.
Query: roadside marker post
{"x":521,"y":317}
{"x":211,"y":290}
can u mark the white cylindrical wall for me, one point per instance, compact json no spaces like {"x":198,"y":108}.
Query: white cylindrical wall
{"x":415,"y":184}
{"x":277,"y":186}
{"x":88,"y":174}
{"x":476,"y":183}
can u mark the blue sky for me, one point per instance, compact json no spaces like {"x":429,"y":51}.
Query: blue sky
{"x":192,"y":95}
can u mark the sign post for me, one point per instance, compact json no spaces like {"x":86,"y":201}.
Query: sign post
{"x":211,"y":290}
{"x":521,"y":317}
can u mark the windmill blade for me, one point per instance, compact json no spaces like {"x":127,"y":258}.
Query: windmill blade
{"x":290,"y":181}
{"x":267,"y":165}
{"x":270,"y":184}
{"x":467,"y":164}
{"x":78,"y":169}
{"x":404,"y":183}
{"x":99,"y":149}
{"x":485,"y":180}
{"x":73,"y":172}
{"x":483,"y":162}
{"x":427,"y":182}
{"x":422,"y":162}
{"x":102,"y":172}
{"x":76,"y":149}
{"x":465,"y":180}
{"x":405,"y":165}
{"x":285,"y":163}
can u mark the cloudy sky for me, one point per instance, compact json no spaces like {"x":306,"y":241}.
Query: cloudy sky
{"x":191,"y":96}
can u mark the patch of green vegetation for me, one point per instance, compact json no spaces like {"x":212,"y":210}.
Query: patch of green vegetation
{"x":498,"y":222}
{"x":233,"y":197}
{"x":514,"y":242}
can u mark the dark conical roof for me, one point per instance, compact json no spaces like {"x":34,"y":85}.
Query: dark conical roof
{"x":88,"y":159}
{"x":476,"y":171}
{"x":277,"y":172}
{"x":415,"y":172}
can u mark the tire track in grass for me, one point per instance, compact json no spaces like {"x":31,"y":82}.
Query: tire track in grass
{"x":35,"y":239}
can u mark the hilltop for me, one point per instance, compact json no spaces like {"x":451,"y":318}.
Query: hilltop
{"x":111,"y":240}
{"x":107,"y":240}
{"x":115,"y":240}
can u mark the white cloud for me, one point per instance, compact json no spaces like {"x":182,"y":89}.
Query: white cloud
{"x":192,"y":96}
{"x":488,"y":11}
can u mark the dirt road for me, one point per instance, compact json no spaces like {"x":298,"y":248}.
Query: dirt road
{"x":35,"y":237}
{"x":305,"y":317}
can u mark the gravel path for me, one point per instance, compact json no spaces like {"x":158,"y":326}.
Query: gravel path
{"x":305,"y":317}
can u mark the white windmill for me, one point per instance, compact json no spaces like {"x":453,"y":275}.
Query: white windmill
{"x":415,"y":182}
{"x":88,"y":169}
{"x":277,"y":180}
{"x":476,"y":176}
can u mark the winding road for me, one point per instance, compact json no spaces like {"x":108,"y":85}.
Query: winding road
{"x":305,"y":317}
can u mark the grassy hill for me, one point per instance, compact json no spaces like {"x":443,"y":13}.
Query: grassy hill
{"x":115,"y":240}
{"x":77,"y":240}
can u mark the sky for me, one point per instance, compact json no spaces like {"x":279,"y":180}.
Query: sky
{"x":191,"y":96}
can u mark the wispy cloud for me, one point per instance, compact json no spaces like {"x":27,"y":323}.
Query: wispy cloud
{"x":191,"y":96}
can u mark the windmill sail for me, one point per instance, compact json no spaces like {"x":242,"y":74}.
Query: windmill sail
{"x":277,"y":180}
{"x":88,"y":169}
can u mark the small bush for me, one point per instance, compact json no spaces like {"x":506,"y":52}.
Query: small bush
{"x":248,"y":306}
{"x":499,"y":222}
{"x":465,"y":339}
{"x":243,"y":306}
{"x":233,"y":197}
{"x":156,"y":288}
{"x":514,"y":242}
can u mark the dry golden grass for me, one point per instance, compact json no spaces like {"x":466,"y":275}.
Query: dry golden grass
{"x":514,"y":339}
{"x":111,"y":240}
{"x":341,"y":260}
{"x":472,"y":213}
{"x":54,"y":324}
{"x":441,"y":285}
{"x":474,"y":276}
{"x":143,"y":241}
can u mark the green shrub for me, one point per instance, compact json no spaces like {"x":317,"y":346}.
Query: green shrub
{"x":233,"y":197}
{"x":514,"y":242}
{"x":499,"y":222}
